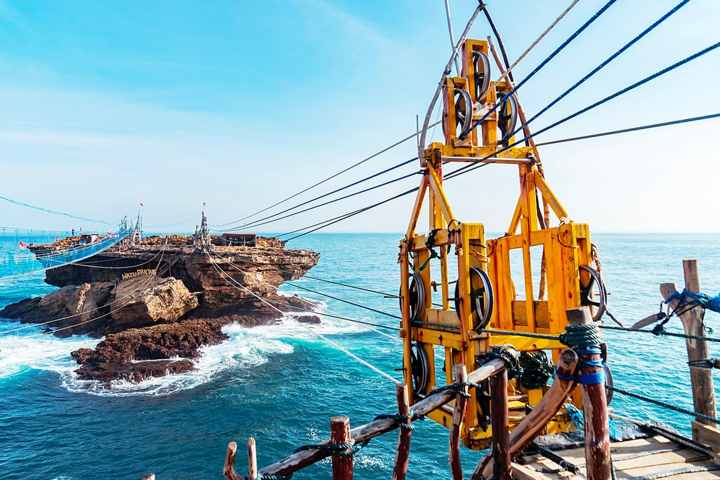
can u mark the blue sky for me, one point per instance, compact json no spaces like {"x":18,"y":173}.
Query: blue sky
{"x":238,"y":103}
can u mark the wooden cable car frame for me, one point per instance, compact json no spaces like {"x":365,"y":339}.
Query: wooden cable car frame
{"x":566,"y":248}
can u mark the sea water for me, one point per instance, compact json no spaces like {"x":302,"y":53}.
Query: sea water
{"x":282,"y":383}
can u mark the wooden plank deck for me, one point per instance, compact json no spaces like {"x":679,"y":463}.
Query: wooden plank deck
{"x":651,"y":458}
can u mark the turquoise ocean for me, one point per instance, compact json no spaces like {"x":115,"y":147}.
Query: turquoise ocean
{"x":282,"y":383}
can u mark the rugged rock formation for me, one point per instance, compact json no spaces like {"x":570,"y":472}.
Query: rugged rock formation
{"x":71,"y":310}
{"x":159,"y":301}
{"x":142,"y":301}
{"x":139,"y":353}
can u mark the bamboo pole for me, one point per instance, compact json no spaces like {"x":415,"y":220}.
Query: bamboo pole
{"x":457,"y":425}
{"x":378,"y":427}
{"x":597,"y":431}
{"x":501,"y":435}
{"x":402,"y":457}
{"x":342,"y":462}
{"x":252,"y":459}
{"x":534,"y":422}
{"x":229,"y":469}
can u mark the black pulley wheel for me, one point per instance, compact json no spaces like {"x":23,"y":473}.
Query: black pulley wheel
{"x":592,"y":292}
{"x":419,"y":368}
{"x":481,"y":65}
{"x":507,"y":117}
{"x":463,"y":112}
{"x":481,"y":298}
{"x":416,"y":293}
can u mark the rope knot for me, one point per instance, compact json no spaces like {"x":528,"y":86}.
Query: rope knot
{"x":509,"y":355}
{"x":580,"y":336}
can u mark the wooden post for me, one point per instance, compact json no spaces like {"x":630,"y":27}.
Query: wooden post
{"x":229,"y":469}
{"x":342,"y":464}
{"x":402,"y":457}
{"x":534,"y":422}
{"x":597,"y":429}
{"x":700,"y":378}
{"x":458,"y":417}
{"x":501,"y":434}
{"x":252,"y":459}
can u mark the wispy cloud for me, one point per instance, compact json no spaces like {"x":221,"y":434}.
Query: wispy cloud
{"x":352,"y":24}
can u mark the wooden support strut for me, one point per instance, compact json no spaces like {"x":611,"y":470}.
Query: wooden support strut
{"x":534,"y":422}
{"x":342,"y":462}
{"x":597,"y":431}
{"x":252,"y":459}
{"x":457,"y":425}
{"x":378,"y":427}
{"x":499,"y":410}
{"x":402,"y":457}
{"x":229,"y":468}
{"x":700,"y":378}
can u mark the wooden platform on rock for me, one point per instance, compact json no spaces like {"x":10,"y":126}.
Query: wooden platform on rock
{"x":651,"y":458}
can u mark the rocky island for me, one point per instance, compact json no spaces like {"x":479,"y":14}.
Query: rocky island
{"x":158,"y":300}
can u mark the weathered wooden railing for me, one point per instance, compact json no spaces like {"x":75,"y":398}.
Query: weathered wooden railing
{"x":505,"y":444}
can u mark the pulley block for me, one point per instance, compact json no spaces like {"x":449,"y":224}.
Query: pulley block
{"x":463,"y":113}
{"x":481,"y":298}
{"x":507,"y":117}
{"x":420,"y":368}
{"x":481,"y":76}
{"x":592,"y":292}
{"x":416,"y":294}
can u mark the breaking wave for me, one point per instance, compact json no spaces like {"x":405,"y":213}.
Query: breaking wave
{"x":245,"y":348}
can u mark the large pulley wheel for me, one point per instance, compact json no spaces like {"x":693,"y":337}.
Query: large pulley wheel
{"x":481,"y":77}
{"x":416,"y":294}
{"x":463,"y":113}
{"x":592,"y":292}
{"x":507,"y":117}
{"x":481,"y":298}
{"x":419,"y":368}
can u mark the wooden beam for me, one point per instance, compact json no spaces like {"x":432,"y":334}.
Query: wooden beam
{"x":550,"y":197}
{"x":700,"y":378}
{"x":501,"y":433}
{"x":252,"y":459}
{"x":402,"y":456}
{"x":457,"y":425}
{"x":597,"y":430}
{"x":439,"y":194}
{"x":417,"y":207}
{"x":342,"y":464}
{"x":229,"y":468}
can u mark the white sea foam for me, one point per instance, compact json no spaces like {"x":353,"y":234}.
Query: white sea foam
{"x":32,"y":349}
{"x":246,"y":348}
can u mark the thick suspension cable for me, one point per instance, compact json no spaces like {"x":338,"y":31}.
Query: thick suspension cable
{"x":547,"y":59}
{"x":327,"y":340}
{"x":359,"y":305}
{"x":622,"y":91}
{"x":326,"y":179}
{"x":608,"y":60}
{"x":630,"y":129}
{"x":344,"y":197}
{"x":508,"y":72}
{"x":51,"y":211}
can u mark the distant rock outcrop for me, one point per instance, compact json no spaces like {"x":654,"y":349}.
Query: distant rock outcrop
{"x":159,"y":301}
{"x":140,"y":353}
